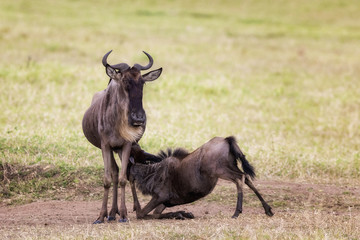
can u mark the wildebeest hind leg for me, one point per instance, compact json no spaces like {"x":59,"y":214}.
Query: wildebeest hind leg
{"x":234,"y":174}
{"x":239,"y":187}
{"x":266,"y":207}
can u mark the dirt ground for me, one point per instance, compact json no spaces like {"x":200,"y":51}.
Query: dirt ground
{"x":282,"y":196}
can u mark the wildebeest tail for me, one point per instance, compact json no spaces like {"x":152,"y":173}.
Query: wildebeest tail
{"x":236,"y":151}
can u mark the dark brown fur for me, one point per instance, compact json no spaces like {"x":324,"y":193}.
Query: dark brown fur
{"x":114,"y":121}
{"x":183,"y":177}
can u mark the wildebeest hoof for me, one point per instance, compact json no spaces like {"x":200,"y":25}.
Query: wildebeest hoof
{"x":269,"y":213}
{"x":123,"y":220}
{"x":110,"y":218}
{"x":98,"y":222}
{"x":187,"y":215}
{"x":236,"y":214}
{"x":179,"y":216}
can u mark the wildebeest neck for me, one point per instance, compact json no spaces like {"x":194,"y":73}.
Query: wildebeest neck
{"x":115,"y":109}
{"x":150,"y":178}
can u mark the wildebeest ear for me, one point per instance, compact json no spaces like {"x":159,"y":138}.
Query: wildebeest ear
{"x":111,"y":72}
{"x":153,"y":75}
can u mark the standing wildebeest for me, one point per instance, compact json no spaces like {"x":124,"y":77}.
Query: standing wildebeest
{"x":114,"y":121}
{"x":183,"y":177}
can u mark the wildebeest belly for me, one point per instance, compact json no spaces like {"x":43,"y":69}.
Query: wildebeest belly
{"x":189,"y":198}
{"x":184,"y":197}
{"x":89,"y":125}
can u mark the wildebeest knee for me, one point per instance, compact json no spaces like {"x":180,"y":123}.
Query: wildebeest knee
{"x":107,"y":182}
{"x":122,"y":182}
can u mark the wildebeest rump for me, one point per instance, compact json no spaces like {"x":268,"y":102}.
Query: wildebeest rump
{"x":183,"y":177}
{"x":114,"y":121}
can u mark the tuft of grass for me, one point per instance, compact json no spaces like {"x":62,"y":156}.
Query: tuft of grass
{"x":26,"y":183}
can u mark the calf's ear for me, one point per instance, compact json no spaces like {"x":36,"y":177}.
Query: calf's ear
{"x":153,"y":75}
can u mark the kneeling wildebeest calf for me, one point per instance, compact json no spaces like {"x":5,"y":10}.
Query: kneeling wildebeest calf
{"x":181,"y":177}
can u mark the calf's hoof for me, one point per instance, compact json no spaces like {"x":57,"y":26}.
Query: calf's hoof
{"x":179,"y":216}
{"x":268,"y":210}
{"x":236,"y":214}
{"x":110,"y":218}
{"x":269,"y":213}
{"x":182,"y":215}
{"x":187,"y":214}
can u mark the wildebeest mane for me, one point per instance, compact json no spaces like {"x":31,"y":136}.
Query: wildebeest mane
{"x":179,"y":153}
{"x":150,"y":176}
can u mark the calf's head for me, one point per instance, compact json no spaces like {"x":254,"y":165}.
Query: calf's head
{"x":132,"y":83}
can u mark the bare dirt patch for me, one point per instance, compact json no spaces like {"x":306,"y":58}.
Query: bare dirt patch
{"x":282,"y":196}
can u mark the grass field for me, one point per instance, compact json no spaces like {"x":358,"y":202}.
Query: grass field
{"x":283,"y":77}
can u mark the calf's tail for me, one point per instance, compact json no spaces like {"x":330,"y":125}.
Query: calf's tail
{"x":236,"y":151}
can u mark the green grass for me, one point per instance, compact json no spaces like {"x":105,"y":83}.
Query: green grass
{"x":283,"y":77}
{"x":23,"y":184}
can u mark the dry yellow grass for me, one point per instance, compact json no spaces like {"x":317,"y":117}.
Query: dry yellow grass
{"x":302,"y":211}
{"x":304,"y":225}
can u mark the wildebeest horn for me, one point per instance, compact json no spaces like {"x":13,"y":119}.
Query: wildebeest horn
{"x":104,"y":60}
{"x":121,"y":66}
{"x":151,"y":61}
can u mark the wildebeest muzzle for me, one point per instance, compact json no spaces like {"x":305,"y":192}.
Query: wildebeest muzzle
{"x":137,"y":118}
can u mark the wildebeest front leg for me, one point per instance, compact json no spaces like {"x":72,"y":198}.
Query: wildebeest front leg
{"x":181,"y":215}
{"x":115,"y":178}
{"x":106,"y":153}
{"x":136,"y":205}
{"x":141,"y":213}
{"x":125,"y":154}
{"x":266,"y":207}
{"x":159,"y":207}
{"x":239,"y":186}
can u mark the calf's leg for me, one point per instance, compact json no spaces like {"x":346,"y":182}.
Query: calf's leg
{"x":180,"y":215}
{"x":157,"y":203}
{"x":231,"y":172}
{"x":159,"y":209}
{"x":239,"y":186}
{"x":266,"y":207}
{"x":136,"y":205}
{"x":153,"y":203}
